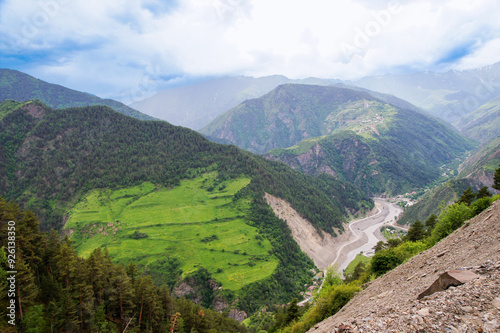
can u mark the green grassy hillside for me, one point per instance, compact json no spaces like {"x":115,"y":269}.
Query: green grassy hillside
{"x":18,"y":86}
{"x":193,"y":224}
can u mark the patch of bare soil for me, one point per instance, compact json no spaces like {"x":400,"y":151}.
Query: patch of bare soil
{"x":320,"y":247}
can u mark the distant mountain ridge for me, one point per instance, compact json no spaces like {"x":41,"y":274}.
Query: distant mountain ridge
{"x":450,"y":95}
{"x":196,"y":105}
{"x":22,"y":87}
{"x":283,"y":117}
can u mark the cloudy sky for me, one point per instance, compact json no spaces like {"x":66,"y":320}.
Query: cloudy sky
{"x":126,"y":49}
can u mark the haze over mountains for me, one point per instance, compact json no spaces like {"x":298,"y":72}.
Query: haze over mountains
{"x":195,"y":106}
{"x":450,"y":95}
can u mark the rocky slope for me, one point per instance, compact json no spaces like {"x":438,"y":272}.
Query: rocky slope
{"x":320,"y":246}
{"x":389,"y":304}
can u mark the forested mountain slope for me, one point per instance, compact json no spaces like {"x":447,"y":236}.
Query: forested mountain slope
{"x":117,"y":180}
{"x":23,"y":87}
{"x":477,"y":171}
{"x":346,"y":133}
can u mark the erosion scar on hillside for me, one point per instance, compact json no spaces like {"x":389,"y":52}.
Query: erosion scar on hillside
{"x":321,"y":248}
{"x":324,"y":249}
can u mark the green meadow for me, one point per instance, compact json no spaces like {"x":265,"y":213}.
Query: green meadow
{"x":359,"y":258}
{"x":196,"y":223}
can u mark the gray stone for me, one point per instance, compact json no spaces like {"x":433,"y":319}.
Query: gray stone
{"x":467,"y":309}
{"x":447,"y":279}
{"x":496,"y":303}
{"x":423,"y":312}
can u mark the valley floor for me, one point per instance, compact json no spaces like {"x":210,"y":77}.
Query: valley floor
{"x":366,"y":232}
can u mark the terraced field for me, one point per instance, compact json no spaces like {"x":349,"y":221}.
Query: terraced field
{"x":196,"y":224}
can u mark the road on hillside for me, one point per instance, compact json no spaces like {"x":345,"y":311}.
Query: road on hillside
{"x":366,"y":232}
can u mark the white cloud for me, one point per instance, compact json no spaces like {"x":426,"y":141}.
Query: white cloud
{"x":116,"y":48}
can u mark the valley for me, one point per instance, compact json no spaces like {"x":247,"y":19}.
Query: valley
{"x":231,"y":230}
{"x":234,"y":166}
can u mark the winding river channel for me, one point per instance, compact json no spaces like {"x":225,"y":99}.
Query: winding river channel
{"x":366,"y":232}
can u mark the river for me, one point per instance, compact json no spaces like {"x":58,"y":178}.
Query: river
{"x":366,"y":232}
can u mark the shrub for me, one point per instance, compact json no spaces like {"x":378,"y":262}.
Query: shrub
{"x":327,"y":304}
{"x":385,"y":260}
{"x":451,"y":219}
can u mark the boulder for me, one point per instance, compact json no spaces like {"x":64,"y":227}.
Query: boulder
{"x":447,"y":279}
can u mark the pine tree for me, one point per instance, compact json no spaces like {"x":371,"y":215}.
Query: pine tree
{"x":430,"y":223}
{"x":65,"y":261}
{"x":467,"y":197}
{"x":483,"y":192}
{"x":146,"y":299}
{"x":132,"y":271}
{"x":121,"y":295}
{"x":496,"y":179}
{"x":416,"y":232}
{"x":25,"y":285}
{"x":96,"y":267}
{"x":82,"y":291}
{"x":292,"y":312}
{"x":34,"y":321}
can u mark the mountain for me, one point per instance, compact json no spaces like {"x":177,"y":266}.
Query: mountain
{"x":483,"y":124}
{"x":196,"y":105}
{"x":477,"y":171}
{"x":346,"y":133}
{"x":450,"y":95}
{"x":390,"y":304}
{"x":22,"y":87}
{"x":187,"y":210}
